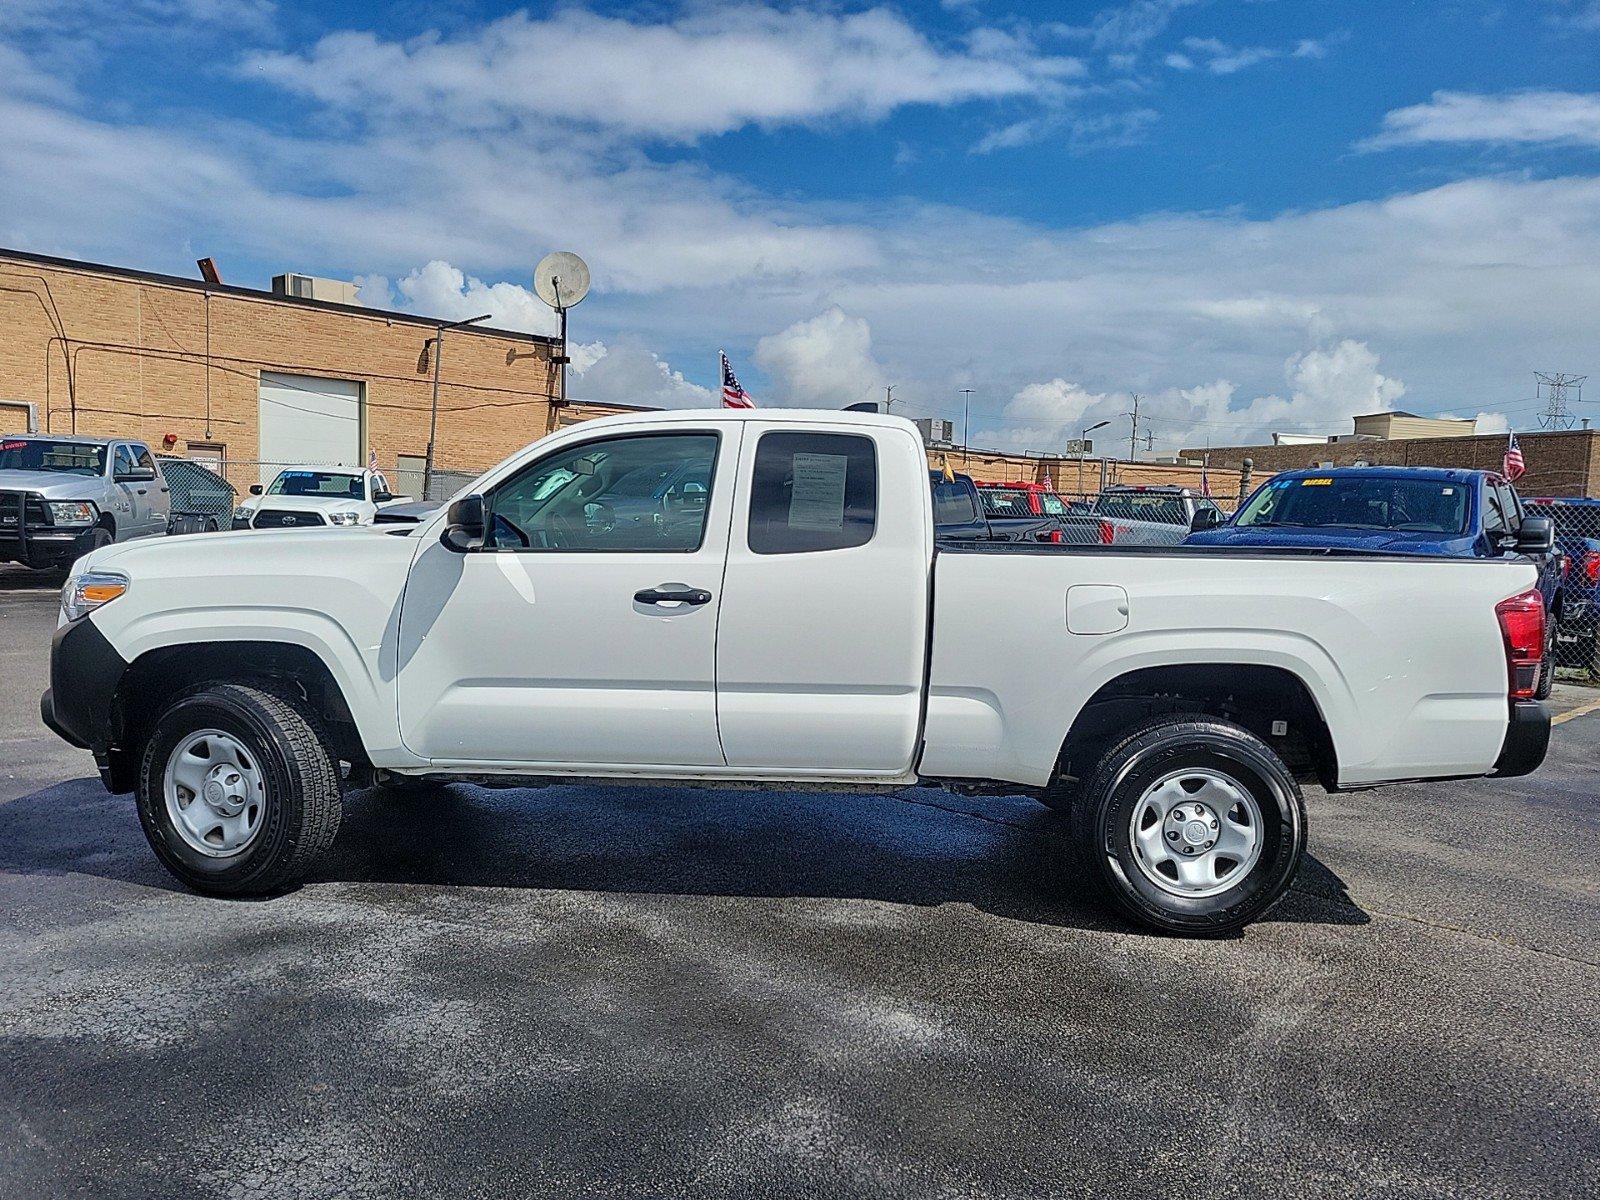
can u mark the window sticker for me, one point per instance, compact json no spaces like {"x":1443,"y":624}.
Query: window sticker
{"x":14,"y":446}
{"x":817,"y":501}
{"x":1323,"y":482}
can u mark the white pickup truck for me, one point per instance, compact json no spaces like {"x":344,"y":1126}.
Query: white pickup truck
{"x":759,"y":597}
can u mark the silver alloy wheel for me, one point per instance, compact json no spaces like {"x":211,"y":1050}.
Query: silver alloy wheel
{"x":1196,"y":832}
{"x":215,"y":793}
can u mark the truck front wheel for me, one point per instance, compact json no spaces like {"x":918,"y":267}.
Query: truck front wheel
{"x":237,"y":792}
{"x":1191,"y":824}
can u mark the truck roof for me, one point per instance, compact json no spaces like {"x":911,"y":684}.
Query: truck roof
{"x":788,"y":416}
{"x":73,"y":438}
{"x":1442,"y":474}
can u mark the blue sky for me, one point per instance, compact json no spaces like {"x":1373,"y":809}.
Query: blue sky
{"x":1258,"y":214}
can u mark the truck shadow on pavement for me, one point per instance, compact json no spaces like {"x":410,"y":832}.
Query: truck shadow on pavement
{"x":924,"y":847}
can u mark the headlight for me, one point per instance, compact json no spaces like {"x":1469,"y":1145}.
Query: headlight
{"x":89,"y":591}
{"x":345,"y":518}
{"x":73,"y":512}
{"x":243,"y":513}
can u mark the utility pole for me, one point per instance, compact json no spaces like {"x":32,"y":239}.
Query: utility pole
{"x":1133,"y":430}
{"x":437,"y":344}
{"x":966,"y":425}
{"x":888,"y":397}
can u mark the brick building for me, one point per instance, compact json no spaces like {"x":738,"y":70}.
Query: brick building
{"x":1564,"y":463}
{"x":213,"y":371}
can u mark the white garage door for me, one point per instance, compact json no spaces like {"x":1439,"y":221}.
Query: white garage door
{"x":309,"y":420}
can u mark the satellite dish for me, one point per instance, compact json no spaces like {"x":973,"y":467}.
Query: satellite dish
{"x":561,"y":279}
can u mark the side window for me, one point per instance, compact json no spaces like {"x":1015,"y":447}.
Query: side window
{"x":813,"y":491}
{"x":612,"y":495}
{"x":1494,"y":516}
{"x":145,"y":461}
{"x":122,"y":461}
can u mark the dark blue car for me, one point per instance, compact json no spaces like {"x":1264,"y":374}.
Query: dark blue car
{"x":1433,"y":511}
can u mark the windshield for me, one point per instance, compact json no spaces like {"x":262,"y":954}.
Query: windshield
{"x":42,"y":454}
{"x":1360,"y":502}
{"x":320,"y":484}
{"x":1163,"y":507}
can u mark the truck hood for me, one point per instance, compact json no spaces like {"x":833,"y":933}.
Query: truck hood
{"x":1374,"y":541}
{"x":247,"y":552}
{"x":320,"y":504}
{"x":52,"y":485}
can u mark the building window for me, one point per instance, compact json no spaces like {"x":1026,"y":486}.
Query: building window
{"x":210,"y":453}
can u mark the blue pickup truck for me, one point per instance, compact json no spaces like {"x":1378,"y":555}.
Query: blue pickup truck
{"x":1430,"y":511}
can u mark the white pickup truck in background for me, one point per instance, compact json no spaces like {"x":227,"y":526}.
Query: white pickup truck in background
{"x":759,"y":597}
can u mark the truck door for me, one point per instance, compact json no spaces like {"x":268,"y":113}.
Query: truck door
{"x":154,"y":492}
{"x":821,"y":644}
{"x":131,"y":503}
{"x":576,"y":636}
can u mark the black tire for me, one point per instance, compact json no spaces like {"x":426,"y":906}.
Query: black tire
{"x":212,"y":525}
{"x":1103,"y":815}
{"x":303,"y":801}
{"x":89,"y":540}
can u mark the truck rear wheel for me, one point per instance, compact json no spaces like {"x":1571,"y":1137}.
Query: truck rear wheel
{"x":237,"y":792}
{"x":1190,"y":824}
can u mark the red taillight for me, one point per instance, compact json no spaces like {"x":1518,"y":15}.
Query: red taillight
{"x":1107,"y":532}
{"x":1591,"y":566}
{"x":1522,"y":626}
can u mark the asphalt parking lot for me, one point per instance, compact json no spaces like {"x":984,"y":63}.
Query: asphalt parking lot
{"x":581,"y":991}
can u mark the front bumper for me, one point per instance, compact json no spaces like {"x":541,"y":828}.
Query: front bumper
{"x":1527,"y":739}
{"x":85,"y":671}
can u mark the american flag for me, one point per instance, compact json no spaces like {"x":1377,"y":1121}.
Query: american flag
{"x":733,"y":396}
{"x":1513,"y":468}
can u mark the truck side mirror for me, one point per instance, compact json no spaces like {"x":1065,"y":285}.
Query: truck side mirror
{"x":1203,"y":519}
{"x":464,"y":525}
{"x":255,"y":489}
{"x":1537,"y":536}
{"x":382,"y":497}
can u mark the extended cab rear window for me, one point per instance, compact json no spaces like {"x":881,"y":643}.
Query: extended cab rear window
{"x":813,"y":491}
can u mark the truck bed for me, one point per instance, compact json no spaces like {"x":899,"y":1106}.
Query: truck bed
{"x":1402,"y":656}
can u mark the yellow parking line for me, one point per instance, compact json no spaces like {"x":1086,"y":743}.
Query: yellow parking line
{"x":1577,"y":712}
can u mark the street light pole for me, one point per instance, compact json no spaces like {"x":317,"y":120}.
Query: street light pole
{"x":1083,"y":440}
{"x":966,"y":425}
{"x":437,"y":342}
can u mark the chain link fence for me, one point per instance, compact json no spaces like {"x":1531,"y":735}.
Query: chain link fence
{"x":1577,"y":522}
{"x":210,"y":488}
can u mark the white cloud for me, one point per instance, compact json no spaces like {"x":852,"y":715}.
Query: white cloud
{"x":1220,"y":58}
{"x":628,"y":373}
{"x":1559,"y":118}
{"x":824,"y":362}
{"x":1179,"y":62}
{"x":1128,"y":26}
{"x":706,"y":72}
{"x":1081,"y":133}
{"x":1342,"y":382}
{"x":440,"y":290}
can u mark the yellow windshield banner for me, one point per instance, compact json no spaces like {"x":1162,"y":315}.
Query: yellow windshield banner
{"x":1323,"y":482}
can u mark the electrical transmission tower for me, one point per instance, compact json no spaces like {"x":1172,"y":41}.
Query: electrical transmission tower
{"x":1557,"y":390}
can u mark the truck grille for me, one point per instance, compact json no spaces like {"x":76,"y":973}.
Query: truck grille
{"x":19,"y":510}
{"x":277,"y":518}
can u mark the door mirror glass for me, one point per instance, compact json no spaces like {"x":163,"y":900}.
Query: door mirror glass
{"x":1203,"y":519}
{"x":382,"y":497}
{"x":255,"y":489}
{"x":463,"y":528}
{"x":1537,"y":536}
